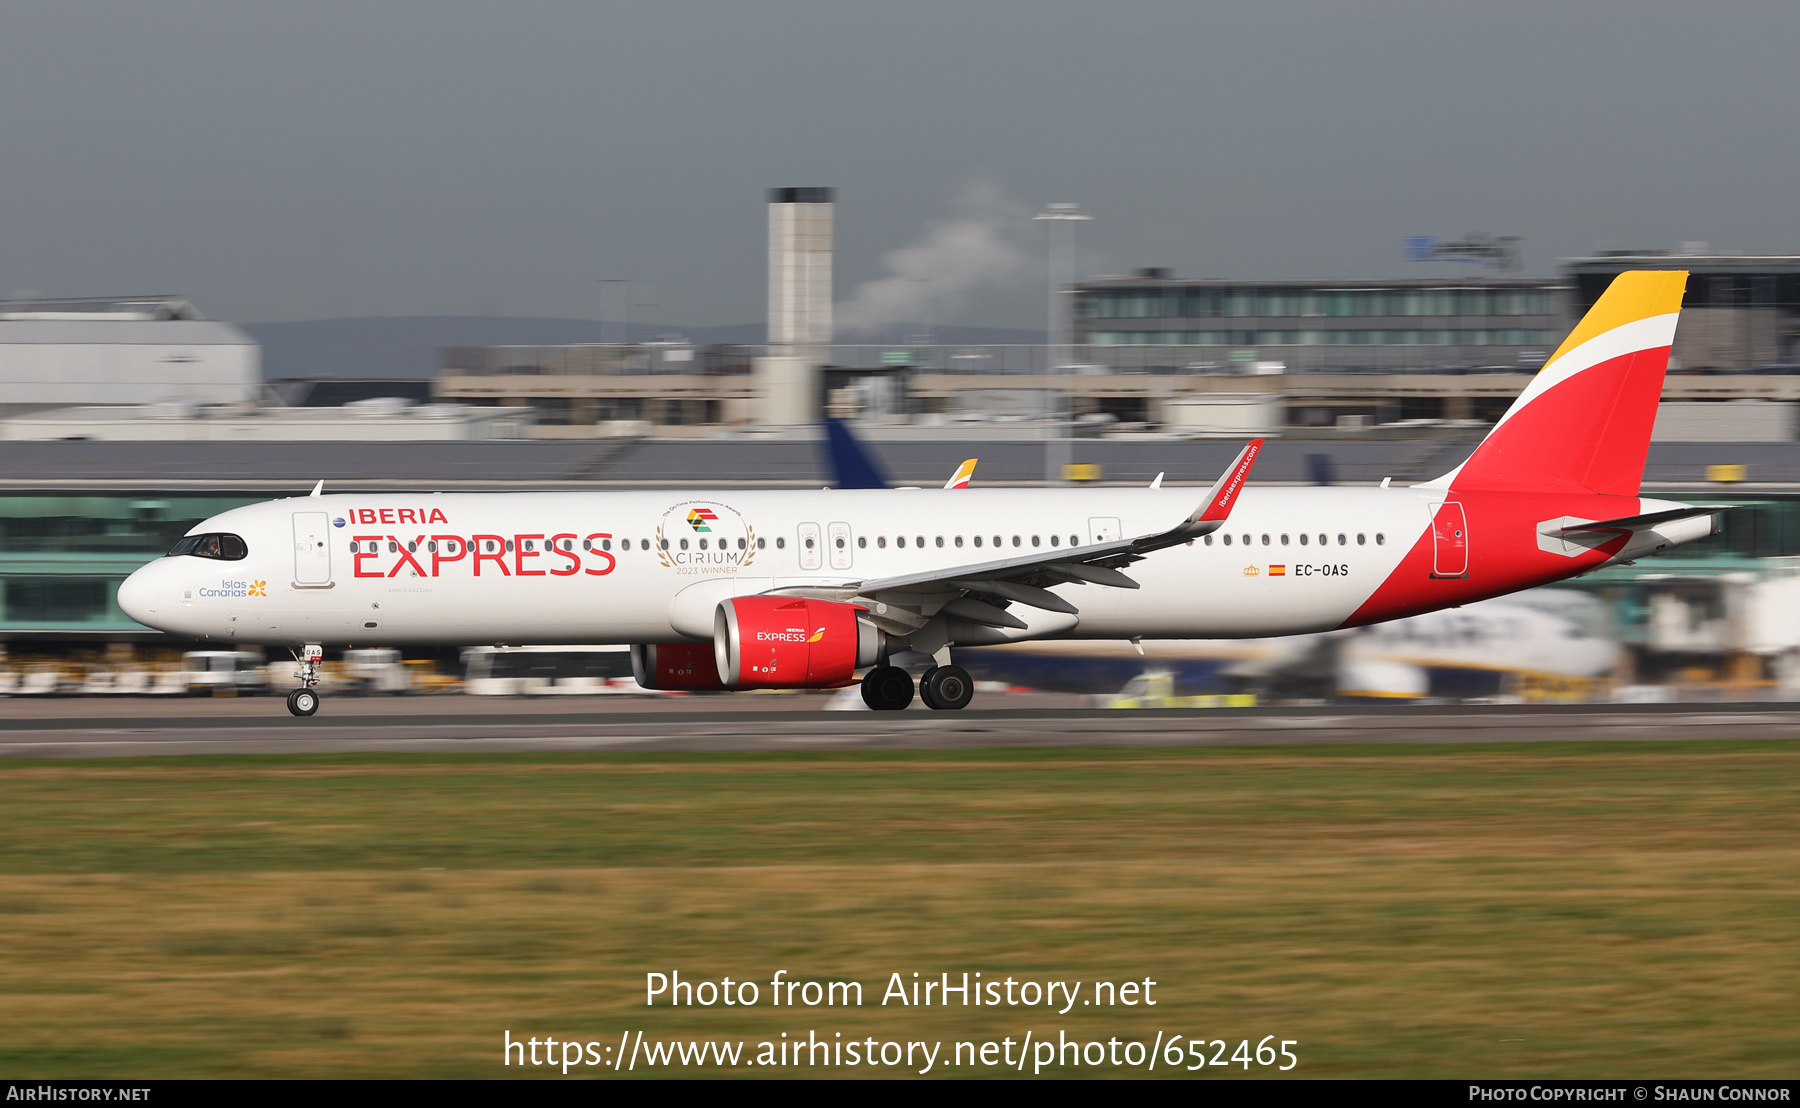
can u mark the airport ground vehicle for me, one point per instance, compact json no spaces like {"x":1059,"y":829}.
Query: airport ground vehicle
{"x":209,"y":672}
{"x":787,"y":589}
{"x":375,"y":670}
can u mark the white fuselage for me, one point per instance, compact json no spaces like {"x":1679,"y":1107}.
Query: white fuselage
{"x":630,"y":566}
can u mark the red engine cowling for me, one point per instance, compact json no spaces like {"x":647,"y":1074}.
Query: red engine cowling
{"x":778,"y":642}
{"x":675,"y":665}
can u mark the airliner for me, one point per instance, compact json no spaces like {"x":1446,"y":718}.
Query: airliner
{"x":805,"y":589}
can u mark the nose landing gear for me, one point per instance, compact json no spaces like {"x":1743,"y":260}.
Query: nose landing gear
{"x":304,"y":701}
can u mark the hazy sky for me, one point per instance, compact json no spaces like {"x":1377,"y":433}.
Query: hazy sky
{"x":300,"y":160}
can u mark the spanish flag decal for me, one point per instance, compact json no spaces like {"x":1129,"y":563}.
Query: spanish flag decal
{"x":1277,"y":571}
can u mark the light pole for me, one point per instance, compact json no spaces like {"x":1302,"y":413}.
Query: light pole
{"x":1059,"y":338}
{"x":626,"y":281}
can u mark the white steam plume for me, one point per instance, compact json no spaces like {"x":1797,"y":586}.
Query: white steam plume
{"x":934,"y":276}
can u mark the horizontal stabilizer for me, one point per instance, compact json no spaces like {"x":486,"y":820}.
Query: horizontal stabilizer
{"x":1650,"y":520}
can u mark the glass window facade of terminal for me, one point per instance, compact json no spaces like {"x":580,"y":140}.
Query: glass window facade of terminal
{"x":1510,"y":336}
{"x":1300,"y":316}
{"x":62,"y":557}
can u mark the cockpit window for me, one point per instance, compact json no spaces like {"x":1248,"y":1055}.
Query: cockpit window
{"x":223,"y":547}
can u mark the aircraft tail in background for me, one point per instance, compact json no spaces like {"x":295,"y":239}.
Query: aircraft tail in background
{"x":1583,"y":423}
{"x":851,"y":466}
{"x":960,"y":479}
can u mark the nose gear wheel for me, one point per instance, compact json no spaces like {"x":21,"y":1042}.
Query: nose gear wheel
{"x":303,"y":702}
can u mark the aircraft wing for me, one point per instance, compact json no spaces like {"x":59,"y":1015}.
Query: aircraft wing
{"x":979,"y":591}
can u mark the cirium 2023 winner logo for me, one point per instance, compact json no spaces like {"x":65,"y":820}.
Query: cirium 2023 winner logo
{"x":704,"y":535}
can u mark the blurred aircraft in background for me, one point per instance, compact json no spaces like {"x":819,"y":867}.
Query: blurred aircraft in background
{"x":1546,"y":637}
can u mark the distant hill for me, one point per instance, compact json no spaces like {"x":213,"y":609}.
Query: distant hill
{"x":407,"y":346}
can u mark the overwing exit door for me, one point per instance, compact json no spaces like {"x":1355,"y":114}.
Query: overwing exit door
{"x":1449,"y":541}
{"x":811,"y":556}
{"x":312,"y":550}
{"x":837,"y":536}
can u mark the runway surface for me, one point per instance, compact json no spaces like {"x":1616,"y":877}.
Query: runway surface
{"x":91,"y":729}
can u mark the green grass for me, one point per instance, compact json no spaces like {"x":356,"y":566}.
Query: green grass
{"x":1541,"y":910}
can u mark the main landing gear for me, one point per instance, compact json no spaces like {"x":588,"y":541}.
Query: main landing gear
{"x":946,"y":688}
{"x":304,"y":701}
{"x":890,"y":688}
{"x":887,"y":688}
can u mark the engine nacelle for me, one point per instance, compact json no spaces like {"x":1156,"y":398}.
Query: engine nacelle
{"x":675,"y":665}
{"x":779,"y":642}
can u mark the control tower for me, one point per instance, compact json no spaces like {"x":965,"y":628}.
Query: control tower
{"x":800,"y":246}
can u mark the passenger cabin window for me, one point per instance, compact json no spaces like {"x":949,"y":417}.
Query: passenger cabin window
{"x":220,"y":547}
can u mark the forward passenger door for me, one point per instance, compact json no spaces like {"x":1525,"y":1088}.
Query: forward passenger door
{"x":312,"y":550}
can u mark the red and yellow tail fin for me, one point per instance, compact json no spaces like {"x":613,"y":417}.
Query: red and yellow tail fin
{"x":1583,"y":423}
{"x":960,"y":479}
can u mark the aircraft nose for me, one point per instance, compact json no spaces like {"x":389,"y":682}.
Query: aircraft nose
{"x":137,"y":596}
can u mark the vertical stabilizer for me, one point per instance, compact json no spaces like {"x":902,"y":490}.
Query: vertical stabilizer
{"x":1583,"y":423}
{"x":851,"y":465}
